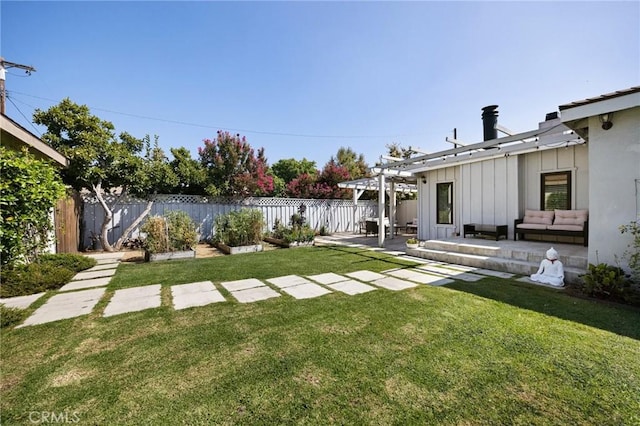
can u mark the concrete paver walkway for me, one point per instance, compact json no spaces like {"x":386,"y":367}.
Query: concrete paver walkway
{"x":80,"y":296}
{"x":66,"y":305}
{"x":133,"y":300}
{"x":21,"y":302}
{"x":195,"y":294}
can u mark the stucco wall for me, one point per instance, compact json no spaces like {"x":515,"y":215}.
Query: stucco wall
{"x":614,"y":156}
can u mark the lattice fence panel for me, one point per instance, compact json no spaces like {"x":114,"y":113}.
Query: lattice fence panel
{"x":334,"y":215}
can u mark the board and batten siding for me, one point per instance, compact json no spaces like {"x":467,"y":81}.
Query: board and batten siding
{"x":497,"y":191}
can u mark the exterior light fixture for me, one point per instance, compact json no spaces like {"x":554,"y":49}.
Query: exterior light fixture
{"x":605,"y":119}
{"x":424,"y":179}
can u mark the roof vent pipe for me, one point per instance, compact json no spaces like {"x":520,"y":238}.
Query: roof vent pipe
{"x":489,"y":121}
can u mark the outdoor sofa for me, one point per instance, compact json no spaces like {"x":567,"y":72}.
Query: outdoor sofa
{"x":566,"y":223}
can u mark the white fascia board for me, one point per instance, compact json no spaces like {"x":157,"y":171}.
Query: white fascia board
{"x":31,"y":140}
{"x":600,"y":107}
{"x":533,"y":146}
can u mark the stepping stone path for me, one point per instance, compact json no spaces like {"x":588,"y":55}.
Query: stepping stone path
{"x":66,"y":305}
{"x":195,"y":294}
{"x":249,"y":290}
{"x":298,"y":287}
{"x":21,"y":302}
{"x":133,"y":299}
{"x":80,"y":296}
{"x":418,"y":277}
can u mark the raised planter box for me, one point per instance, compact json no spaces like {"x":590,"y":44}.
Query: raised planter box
{"x":153,"y":257}
{"x":283,"y":243}
{"x":240,"y":249}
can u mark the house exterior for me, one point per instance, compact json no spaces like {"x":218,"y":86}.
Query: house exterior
{"x":570,"y":161}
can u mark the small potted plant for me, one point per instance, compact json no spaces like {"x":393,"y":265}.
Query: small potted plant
{"x":412,"y":243}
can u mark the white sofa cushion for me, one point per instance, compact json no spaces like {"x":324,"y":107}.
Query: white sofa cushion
{"x":532,"y":226}
{"x":539,"y":217}
{"x":571,"y":217}
{"x":565,"y":227}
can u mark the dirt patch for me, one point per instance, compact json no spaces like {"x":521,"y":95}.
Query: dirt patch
{"x":72,"y":376}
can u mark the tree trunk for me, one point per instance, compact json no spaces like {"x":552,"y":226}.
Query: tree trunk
{"x":108,"y":215}
{"x":135,"y":223}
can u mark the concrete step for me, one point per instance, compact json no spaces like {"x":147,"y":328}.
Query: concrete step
{"x":497,"y":263}
{"x":512,"y":253}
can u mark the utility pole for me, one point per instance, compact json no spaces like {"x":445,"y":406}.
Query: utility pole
{"x":4,"y":65}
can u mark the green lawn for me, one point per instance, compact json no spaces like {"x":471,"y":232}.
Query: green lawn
{"x":491,"y":352}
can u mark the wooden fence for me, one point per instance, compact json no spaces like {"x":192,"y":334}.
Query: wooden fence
{"x":334,"y":215}
{"x":67,"y":224}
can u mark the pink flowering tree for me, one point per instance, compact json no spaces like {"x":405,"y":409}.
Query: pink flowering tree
{"x":233,"y":168}
{"x":323,"y":184}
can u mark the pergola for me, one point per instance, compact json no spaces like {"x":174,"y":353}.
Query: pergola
{"x":384,"y":181}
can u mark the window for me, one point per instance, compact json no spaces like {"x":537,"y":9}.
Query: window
{"x":555,"y":191}
{"x":444,"y":201}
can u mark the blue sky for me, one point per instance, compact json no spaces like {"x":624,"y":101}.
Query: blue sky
{"x":302,"y":79}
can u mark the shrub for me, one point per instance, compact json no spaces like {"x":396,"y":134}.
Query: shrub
{"x":73,"y":262}
{"x":10,"y":316}
{"x":239,"y":228}
{"x":182,"y":231}
{"x":632,"y":254}
{"x":157,"y":235}
{"x":33,"y":278}
{"x":606,"y":282}
{"x":29,"y":190}
{"x":175,"y":232}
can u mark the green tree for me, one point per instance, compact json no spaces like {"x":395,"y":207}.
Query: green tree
{"x":103,"y":163}
{"x":354,"y":163}
{"x":191,"y":175}
{"x":288,"y":169}
{"x":29,"y":189}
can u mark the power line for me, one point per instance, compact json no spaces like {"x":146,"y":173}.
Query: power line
{"x":24,"y":116}
{"x":260,"y":132}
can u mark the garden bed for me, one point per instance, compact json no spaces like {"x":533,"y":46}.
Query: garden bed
{"x":283,"y":243}
{"x":183,"y":254}
{"x":239,"y":249}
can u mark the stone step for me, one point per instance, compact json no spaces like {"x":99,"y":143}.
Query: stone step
{"x":511,"y":265}
{"x":533,"y":256}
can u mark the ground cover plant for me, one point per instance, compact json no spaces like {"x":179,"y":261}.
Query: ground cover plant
{"x":47,"y":272}
{"x":491,"y":352}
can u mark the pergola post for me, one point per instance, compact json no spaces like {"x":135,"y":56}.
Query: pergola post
{"x":392,"y":208}
{"x":381,"y":203}
{"x":357,"y":193}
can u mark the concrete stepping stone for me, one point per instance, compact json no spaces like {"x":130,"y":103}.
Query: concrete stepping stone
{"x":87,"y":275}
{"x":20,"y":302}
{"x":459,"y":275}
{"x":80,"y":285}
{"x":391,"y":283}
{"x":393,"y":252}
{"x":305,"y":291}
{"x":491,"y":273}
{"x":103,"y":266}
{"x":422,"y":278}
{"x":288,"y":281}
{"x":133,"y":300}
{"x":66,"y":305}
{"x":415,"y":259}
{"x":328,"y":278}
{"x":255,"y":294}
{"x":351,"y":287}
{"x":242,"y":284}
{"x":366,"y":276}
{"x":195,"y":294}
